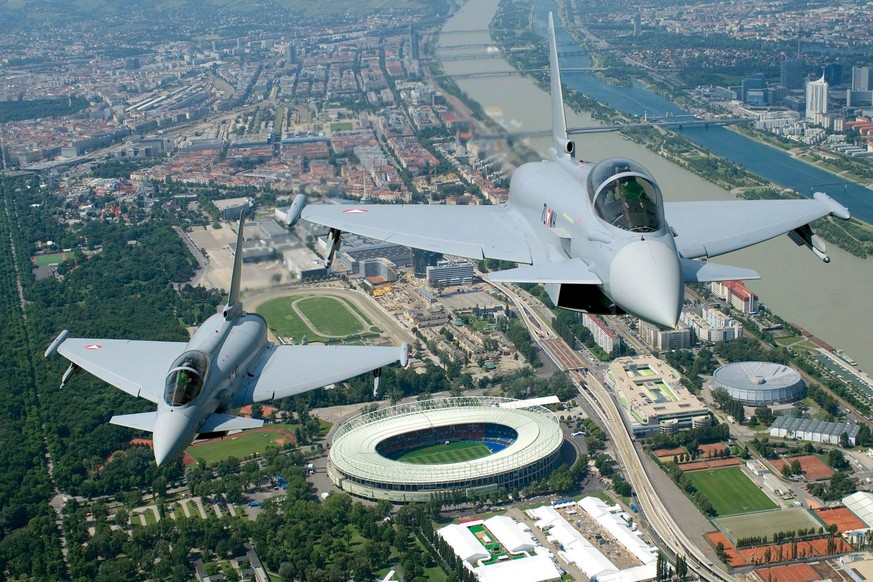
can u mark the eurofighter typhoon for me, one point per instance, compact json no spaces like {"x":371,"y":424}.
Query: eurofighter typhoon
{"x":598,"y":236}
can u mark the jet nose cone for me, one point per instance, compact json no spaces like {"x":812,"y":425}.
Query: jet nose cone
{"x":645,"y":279}
{"x":171,"y":435}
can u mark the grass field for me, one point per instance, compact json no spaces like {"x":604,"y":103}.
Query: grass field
{"x":767,"y":523}
{"x":730,"y":491}
{"x":443,"y":454}
{"x":332,"y":318}
{"x":49,"y":259}
{"x":242,"y":444}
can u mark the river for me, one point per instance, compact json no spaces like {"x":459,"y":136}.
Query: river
{"x":832,"y":301}
{"x":773,"y":164}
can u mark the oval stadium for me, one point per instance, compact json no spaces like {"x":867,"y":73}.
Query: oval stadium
{"x":760,"y":383}
{"x":410,"y":451}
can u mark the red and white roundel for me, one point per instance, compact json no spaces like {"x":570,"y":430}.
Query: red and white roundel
{"x":355,"y":211}
{"x":93,"y":347}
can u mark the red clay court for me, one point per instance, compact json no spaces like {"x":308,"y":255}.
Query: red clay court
{"x":730,"y":552}
{"x":790,"y":573}
{"x":844,"y":519}
{"x":713,"y":448}
{"x":758,"y":554}
{"x":711,"y":464}
{"x":805,"y":549}
{"x":813,"y":468}
{"x":668,"y":454}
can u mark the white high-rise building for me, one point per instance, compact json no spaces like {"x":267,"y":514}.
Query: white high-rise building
{"x":817,"y":100}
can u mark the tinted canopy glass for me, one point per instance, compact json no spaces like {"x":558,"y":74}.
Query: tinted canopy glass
{"x":186,"y":377}
{"x":626,"y":196}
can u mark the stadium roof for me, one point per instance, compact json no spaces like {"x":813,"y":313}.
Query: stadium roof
{"x":757,"y":375}
{"x":531,"y":402}
{"x":353,"y":450}
{"x":464,"y":543}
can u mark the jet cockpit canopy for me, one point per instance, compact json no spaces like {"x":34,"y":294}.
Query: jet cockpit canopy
{"x":185,"y":380}
{"x":625,"y":195}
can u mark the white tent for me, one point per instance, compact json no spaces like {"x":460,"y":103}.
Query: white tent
{"x":535,"y":569}
{"x":510,"y":534}
{"x":464,"y":543}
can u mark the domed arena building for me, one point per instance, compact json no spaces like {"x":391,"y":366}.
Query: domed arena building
{"x":411,"y":451}
{"x":760,"y":383}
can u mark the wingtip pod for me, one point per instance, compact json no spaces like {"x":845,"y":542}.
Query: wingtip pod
{"x":293,"y":215}
{"x":833,"y":206}
{"x":53,"y":347}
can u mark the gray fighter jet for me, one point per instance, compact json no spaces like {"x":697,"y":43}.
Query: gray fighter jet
{"x":228,"y":363}
{"x":598,"y":236}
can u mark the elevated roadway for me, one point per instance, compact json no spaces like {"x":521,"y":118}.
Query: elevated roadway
{"x":602,"y":402}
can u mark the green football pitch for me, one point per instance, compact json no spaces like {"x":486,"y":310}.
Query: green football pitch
{"x":446,"y":453}
{"x":730,"y":491}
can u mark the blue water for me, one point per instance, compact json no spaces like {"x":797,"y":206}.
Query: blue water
{"x":765,"y":161}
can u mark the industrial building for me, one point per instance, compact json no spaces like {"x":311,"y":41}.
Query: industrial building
{"x":810,"y":429}
{"x":303,"y":264}
{"x":653,"y":396}
{"x":233,"y":208}
{"x":760,"y":383}
{"x":446,"y":273}
{"x":378,"y":270}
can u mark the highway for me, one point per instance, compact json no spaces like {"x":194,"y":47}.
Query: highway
{"x":601,"y":401}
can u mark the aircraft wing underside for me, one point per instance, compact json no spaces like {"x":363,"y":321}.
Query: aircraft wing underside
{"x":284,"y":371}
{"x":137,"y":367}
{"x":475,"y":232}
{"x":709,"y":229}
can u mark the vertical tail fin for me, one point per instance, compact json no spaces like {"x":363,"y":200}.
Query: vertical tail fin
{"x":233,"y":306}
{"x":563,"y":146}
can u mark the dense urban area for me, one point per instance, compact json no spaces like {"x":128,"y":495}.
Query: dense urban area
{"x":133,"y":135}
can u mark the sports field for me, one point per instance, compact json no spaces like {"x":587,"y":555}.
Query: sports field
{"x":319,"y":318}
{"x":49,"y":259}
{"x":330,"y":316}
{"x":243,"y":444}
{"x":446,"y":453}
{"x":767,"y":523}
{"x":730,"y":491}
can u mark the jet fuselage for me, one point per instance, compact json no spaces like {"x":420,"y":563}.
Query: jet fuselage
{"x":231,"y":347}
{"x":634,"y":255}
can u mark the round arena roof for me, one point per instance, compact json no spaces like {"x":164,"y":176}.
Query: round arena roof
{"x":354,"y":455}
{"x":760,"y":383}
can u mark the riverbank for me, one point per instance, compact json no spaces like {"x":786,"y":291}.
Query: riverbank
{"x":674,"y":146}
